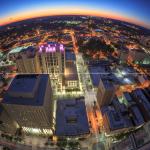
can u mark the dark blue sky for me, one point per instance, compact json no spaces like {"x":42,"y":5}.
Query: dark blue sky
{"x":135,"y":9}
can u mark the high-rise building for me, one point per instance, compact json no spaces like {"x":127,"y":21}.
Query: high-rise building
{"x":47,"y":58}
{"x":26,"y":59}
{"x":29,"y":102}
{"x":52,"y":61}
{"x":105,"y":93}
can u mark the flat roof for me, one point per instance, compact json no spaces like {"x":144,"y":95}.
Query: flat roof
{"x":128,"y":97}
{"x":23,"y":83}
{"x":115,"y":118}
{"x":17,"y":49}
{"x":71,"y":71}
{"x":107,"y":83}
{"x":142,"y":99}
{"x":20,"y":94}
{"x":137,"y":116}
{"x":71,"y":118}
{"x":96,"y":72}
{"x":118,"y":106}
{"x":70,"y":55}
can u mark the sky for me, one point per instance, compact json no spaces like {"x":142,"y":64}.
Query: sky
{"x":134,"y":11}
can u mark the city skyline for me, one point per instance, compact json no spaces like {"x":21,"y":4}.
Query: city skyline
{"x":74,"y":75}
{"x":136,"y":12}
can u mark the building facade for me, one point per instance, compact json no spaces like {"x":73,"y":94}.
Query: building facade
{"x":105,"y":93}
{"x":52,"y":61}
{"x":29,"y":102}
{"x":7,"y":124}
{"x":26,"y":59}
{"x":47,"y":58}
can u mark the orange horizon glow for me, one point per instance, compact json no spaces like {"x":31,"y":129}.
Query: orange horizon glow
{"x":69,"y":11}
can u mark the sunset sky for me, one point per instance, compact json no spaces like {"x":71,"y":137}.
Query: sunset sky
{"x":135,"y":11}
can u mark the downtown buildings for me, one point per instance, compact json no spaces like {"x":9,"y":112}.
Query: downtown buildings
{"x":50,"y":58}
{"x":28,"y":101}
{"x":47,"y":58}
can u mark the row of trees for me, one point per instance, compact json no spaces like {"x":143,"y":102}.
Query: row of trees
{"x":72,"y":145}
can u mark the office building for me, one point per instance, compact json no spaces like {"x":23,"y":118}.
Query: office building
{"x":26,"y":59}
{"x":52,"y":61}
{"x":71,"y":118}
{"x":28,"y":101}
{"x":47,"y":58}
{"x":142,"y":103}
{"x":115,"y":122}
{"x":106,"y":92}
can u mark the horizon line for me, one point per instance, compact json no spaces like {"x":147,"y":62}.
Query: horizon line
{"x":73,"y":12}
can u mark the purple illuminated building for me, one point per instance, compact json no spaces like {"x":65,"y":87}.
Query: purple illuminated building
{"x":52,"y":61}
{"x":51,"y":47}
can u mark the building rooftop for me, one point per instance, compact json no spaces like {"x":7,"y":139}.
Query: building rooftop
{"x":107,"y":83}
{"x":70,"y":55}
{"x":137,"y":116}
{"x":96,"y":72}
{"x":115,"y":120}
{"x":71,"y":118}
{"x":24,"y":85}
{"x":27,"y":89}
{"x":125,"y":75}
{"x":138,"y":50}
{"x":71,"y":71}
{"x":116,"y":117}
{"x":121,"y":107}
{"x":127,"y":97}
{"x":29,"y":51}
{"x":17,"y":49}
{"x":142,"y":99}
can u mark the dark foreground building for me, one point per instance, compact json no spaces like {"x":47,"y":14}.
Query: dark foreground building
{"x":28,"y":102}
{"x":71,"y":118}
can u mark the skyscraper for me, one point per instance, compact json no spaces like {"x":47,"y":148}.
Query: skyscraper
{"x":26,"y":59}
{"x":52,"y":61}
{"x":47,"y":58}
{"x":28,"y":101}
{"x":105,"y":93}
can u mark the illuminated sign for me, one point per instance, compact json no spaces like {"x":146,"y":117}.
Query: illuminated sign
{"x":50,"y":48}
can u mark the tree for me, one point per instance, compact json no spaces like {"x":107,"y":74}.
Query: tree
{"x":74,"y":145}
{"x":62,"y":143}
{"x":95,"y":45}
